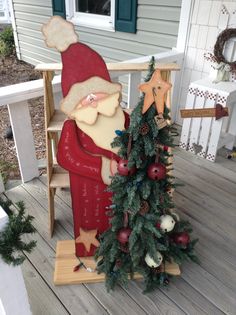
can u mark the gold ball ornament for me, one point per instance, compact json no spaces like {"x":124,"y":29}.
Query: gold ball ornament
{"x":151,"y":262}
{"x":167,"y":223}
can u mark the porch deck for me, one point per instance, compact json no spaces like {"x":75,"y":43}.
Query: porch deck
{"x":207,"y":200}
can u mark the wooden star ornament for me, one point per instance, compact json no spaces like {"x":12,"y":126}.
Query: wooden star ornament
{"x":88,"y":238}
{"x":155,"y":91}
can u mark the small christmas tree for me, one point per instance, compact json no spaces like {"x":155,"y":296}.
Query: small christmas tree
{"x":145,"y":236}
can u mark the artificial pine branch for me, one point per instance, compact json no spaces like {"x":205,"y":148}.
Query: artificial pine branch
{"x":11,"y":243}
{"x":6,"y":204}
{"x":118,"y":259}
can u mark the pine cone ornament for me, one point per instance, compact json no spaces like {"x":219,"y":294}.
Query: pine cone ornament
{"x":144,"y":129}
{"x":144,"y":208}
{"x":159,"y":269}
{"x":118,"y":263}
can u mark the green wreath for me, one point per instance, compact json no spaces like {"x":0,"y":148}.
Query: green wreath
{"x":222,"y":38}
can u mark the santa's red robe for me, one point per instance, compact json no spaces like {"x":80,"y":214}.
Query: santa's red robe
{"x":78,"y":154}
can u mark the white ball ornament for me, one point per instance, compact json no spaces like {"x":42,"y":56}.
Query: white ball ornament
{"x":167,"y":223}
{"x":151,"y":262}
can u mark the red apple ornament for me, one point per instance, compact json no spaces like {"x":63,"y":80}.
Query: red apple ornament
{"x":123,"y":235}
{"x":124,"y":170}
{"x":156,"y":171}
{"x":182,"y":238}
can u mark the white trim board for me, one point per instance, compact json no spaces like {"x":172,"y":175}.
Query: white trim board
{"x":184,"y":24}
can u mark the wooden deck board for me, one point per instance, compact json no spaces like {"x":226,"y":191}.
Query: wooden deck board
{"x":213,"y":243}
{"x":207,"y":201}
{"x":149,"y":301}
{"x":210,"y":177}
{"x":42,"y":299}
{"x":190,"y":300}
{"x":198,"y":212}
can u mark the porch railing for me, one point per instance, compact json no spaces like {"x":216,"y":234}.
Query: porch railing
{"x":16,"y":98}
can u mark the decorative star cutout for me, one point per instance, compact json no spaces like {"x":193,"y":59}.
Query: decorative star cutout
{"x":155,"y":91}
{"x":87,"y":237}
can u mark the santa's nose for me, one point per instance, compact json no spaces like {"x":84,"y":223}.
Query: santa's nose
{"x":92,"y":99}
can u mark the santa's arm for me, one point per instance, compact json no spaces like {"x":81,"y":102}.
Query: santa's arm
{"x":73,"y":158}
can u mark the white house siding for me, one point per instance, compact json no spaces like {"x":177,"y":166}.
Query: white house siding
{"x":157,"y":29}
{"x":208,"y":19}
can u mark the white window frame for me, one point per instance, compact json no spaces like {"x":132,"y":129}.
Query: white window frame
{"x":4,"y":8}
{"x":96,"y":21}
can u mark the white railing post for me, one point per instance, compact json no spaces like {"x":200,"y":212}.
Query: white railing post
{"x":133,"y":91}
{"x":13,"y":294}
{"x":24,"y":142}
{"x":176,"y":82}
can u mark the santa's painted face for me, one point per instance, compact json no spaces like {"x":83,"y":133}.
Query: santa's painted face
{"x":91,"y":106}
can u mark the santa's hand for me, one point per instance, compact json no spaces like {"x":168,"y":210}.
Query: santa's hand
{"x":113,"y":167}
{"x":109,"y":168}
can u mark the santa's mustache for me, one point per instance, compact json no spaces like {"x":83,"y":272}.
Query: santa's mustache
{"x":89,"y":113}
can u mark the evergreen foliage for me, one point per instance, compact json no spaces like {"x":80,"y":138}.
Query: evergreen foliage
{"x":7,"y":45}
{"x":5,"y":168}
{"x":11,"y":243}
{"x":115,"y":259}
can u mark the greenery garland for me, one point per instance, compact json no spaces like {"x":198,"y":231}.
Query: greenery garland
{"x":219,"y":47}
{"x":11,"y":243}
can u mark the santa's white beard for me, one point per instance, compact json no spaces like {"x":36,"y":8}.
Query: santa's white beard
{"x":103,"y":130}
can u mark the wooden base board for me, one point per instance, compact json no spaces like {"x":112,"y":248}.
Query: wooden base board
{"x":66,"y":261}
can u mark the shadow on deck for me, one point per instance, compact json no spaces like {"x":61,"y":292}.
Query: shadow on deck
{"x":207,"y":200}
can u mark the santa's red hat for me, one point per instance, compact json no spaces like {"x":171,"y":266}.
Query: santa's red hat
{"x":80,"y":62}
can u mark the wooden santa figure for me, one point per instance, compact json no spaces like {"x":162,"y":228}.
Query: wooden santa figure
{"x":92,"y":103}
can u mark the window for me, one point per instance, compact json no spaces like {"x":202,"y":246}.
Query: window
{"x":97,"y":14}
{"x":110,"y":15}
{"x":101,"y":7}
